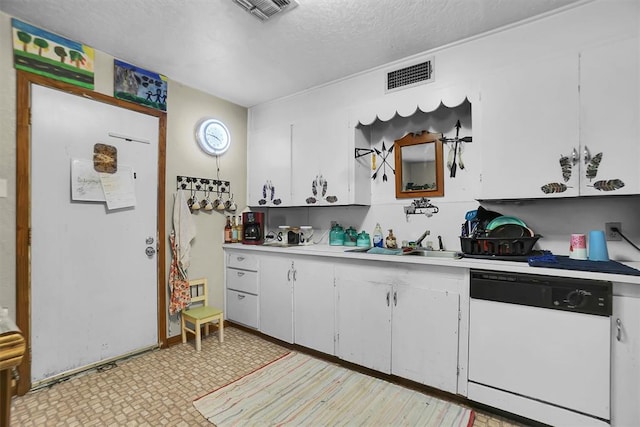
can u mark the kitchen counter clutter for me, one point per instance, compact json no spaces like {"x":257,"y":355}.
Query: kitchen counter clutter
{"x":488,"y":264}
{"x":412,"y":317}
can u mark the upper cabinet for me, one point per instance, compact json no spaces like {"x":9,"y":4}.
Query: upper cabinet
{"x":319,"y":160}
{"x":609,"y":117}
{"x":528,"y":118}
{"x":269,"y":166}
{"x":562,"y":126}
{"x":309,"y":162}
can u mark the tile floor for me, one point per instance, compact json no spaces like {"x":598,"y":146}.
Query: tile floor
{"x":157,"y":388}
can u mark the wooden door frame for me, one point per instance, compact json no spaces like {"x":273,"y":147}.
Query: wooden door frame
{"x":24,"y":80}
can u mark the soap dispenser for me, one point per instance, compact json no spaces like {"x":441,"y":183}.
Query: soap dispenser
{"x":378,"y":237}
{"x":391,"y":241}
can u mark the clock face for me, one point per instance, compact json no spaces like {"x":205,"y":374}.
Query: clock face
{"x":212,"y":136}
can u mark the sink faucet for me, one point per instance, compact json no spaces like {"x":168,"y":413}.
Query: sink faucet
{"x":421,"y":238}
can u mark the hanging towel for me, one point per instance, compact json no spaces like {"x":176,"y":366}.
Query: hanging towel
{"x":185,"y":230}
{"x":178,"y":284}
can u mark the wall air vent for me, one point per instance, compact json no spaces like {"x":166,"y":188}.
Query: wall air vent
{"x":412,"y":75}
{"x":265,"y":9}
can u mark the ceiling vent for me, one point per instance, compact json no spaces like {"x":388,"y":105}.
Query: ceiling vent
{"x":265,"y":9}
{"x":412,"y":75}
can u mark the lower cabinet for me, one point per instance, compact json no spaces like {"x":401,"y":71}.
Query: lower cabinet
{"x":400,"y":321}
{"x":314,"y":305}
{"x":276,"y":297}
{"x":625,"y":361}
{"x":394,"y":318}
{"x":297,"y":301}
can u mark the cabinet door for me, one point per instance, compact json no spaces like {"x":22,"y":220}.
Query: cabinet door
{"x":425,"y":336}
{"x":269,"y":166}
{"x":364,"y":317}
{"x":528,"y":120}
{"x":609,"y":116}
{"x":625,"y":362}
{"x":320,"y":167}
{"x":276,"y":298}
{"x":314,"y":305}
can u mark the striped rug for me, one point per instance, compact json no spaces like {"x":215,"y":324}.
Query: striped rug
{"x":301,"y":390}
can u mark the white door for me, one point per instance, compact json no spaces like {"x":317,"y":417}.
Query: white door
{"x":93,"y":288}
{"x":269,"y":166}
{"x":276,"y":298}
{"x":425,"y":336}
{"x":314,"y":305}
{"x":609,"y":110}
{"x":364,"y":316}
{"x":528,"y":119}
{"x":625,"y":362}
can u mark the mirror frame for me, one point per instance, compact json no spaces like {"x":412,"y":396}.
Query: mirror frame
{"x":410,"y":139}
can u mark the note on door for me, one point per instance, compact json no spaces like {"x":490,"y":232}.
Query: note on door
{"x":119,"y":188}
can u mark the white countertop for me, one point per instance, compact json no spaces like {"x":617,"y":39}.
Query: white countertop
{"x":507,"y":266}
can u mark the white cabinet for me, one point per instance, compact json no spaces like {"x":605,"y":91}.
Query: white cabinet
{"x":562,"y":126}
{"x":400,"y":321}
{"x":310,"y":162}
{"x":625,"y":361}
{"x":610,"y":116}
{"x":528,"y":118}
{"x":269,"y":166}
{"x":297,"y":302}
{"x":241,"y":288}
{"x":314,"y":304}
{"x":319,"y":160}
{"x":364,"y":315}
{"x":276,"y":297}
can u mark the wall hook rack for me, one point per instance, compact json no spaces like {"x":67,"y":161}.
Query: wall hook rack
{"x":202,"y":184}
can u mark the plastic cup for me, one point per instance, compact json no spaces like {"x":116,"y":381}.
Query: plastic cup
{"x":598,"y":246}
{"x":578,"y":246}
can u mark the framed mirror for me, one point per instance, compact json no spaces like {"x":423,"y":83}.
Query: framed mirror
{"x":419,"y":170}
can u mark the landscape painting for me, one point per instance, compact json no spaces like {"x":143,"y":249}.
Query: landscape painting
{"x":41,"y":52}
{"x":141,"y":86}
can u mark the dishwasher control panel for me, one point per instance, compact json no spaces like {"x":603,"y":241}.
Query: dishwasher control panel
{"x":561,"y":293}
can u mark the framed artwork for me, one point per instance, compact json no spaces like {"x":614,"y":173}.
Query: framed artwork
{"x":41,"y":52}
{"x":138,"y":85}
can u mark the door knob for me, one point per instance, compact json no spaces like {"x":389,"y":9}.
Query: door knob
{"x":150,"y":251}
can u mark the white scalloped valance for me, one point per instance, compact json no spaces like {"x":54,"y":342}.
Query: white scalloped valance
{"x":397,"y":105}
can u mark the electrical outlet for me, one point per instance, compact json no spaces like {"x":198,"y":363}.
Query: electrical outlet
{"x":610,"y":233}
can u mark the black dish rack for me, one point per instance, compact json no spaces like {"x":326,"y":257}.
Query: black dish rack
{"x":498,"y":246}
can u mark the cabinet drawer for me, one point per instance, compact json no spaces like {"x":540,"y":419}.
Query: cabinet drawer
{"x":242,"y":308}
{"x":242,"y":280}
{"x":242,"y":260}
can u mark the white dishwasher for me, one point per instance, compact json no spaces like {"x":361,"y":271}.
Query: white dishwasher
{"x":539,"y":346}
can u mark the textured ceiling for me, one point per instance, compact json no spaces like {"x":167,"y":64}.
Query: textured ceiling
{"x":216,"y":47}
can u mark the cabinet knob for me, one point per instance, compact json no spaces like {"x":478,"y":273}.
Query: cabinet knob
{"x":574,"y":157}
{"x":587,"y":155}
{"x":240,"y":258}
{"x":388,"y":298}
{"x":241,"y":296}
{"x":619,"y":329}
{"x":240,"y":273}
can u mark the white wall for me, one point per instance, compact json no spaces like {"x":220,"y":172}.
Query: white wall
{"x":185,"y":106}
{"x":458,"y":69}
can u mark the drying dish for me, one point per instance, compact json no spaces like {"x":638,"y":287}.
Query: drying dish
{"x":510,"y":231}
{"x":504,"y":220}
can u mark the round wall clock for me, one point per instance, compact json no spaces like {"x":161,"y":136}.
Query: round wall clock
{"x":212,"y":136}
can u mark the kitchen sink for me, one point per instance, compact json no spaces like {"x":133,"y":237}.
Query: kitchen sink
{"x":414,"y":252}
{"x":435,"y":254}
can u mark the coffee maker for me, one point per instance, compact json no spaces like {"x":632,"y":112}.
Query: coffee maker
{"x":252,"y":228}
